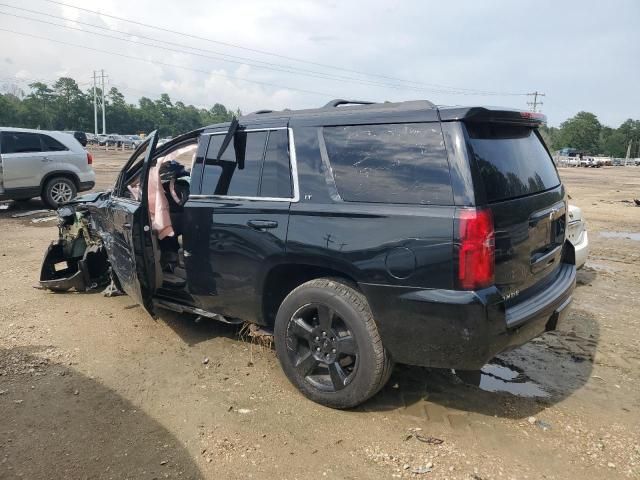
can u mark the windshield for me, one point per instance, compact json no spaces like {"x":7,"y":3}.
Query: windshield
{"x":511,"y":159}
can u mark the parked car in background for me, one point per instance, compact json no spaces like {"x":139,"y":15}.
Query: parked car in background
{"x":573,"y":162}
{"x":52,"y":165}
{"x":163,"y":140}
{"x":362,"y":234}
{"x":137,"y":139}
{"x":81,"y":137}
{"x":92,"y":138}
{"x":577,"y":235}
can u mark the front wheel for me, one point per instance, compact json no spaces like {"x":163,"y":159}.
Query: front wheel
{"x":328,"y":344}
{"x":58,"y":190}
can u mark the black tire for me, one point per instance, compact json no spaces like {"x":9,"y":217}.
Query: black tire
{"x":58,"y":190}
{"x":328,"y":344}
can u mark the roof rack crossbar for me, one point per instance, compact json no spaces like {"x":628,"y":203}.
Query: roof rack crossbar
{"x":339,"y":101}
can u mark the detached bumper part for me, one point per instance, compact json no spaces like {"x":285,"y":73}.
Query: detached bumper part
{"x":61,"y":273}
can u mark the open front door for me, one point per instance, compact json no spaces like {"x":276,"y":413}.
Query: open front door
{"x":130,"y":245}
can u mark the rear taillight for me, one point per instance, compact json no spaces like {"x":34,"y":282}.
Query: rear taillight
{"x":476,"y":261}
{"x":89,"y":159}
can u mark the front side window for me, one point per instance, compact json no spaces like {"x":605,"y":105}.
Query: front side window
{"x":264,"y":156}
{"x":20,"y":142}
{"x":224,"y":176}
{"x":392,"y":163}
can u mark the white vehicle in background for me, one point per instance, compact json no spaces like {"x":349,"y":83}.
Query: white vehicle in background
{"x":577,"y":235}
{"x":39,"y":163}
{"x":573,"y":161}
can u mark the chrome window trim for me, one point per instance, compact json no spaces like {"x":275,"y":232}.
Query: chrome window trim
{"x":293,"y":159}
{"x":265,"y":129}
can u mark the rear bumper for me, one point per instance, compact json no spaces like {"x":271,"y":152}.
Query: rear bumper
{"x":460,"y":329}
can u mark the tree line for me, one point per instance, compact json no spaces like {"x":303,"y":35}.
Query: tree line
{"x":584,"y":132}
{"x":64,"y":106}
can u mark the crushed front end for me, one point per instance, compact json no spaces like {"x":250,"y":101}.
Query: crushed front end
{"x":77,"y":260}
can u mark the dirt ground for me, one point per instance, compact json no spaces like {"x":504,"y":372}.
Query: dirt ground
{"x":92,"y":387}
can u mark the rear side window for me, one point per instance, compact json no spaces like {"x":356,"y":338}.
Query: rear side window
{"x":20,"y":142}
{"x":276,"y":174}
{"x":50,"y":144}
{"x":511,"y":159}
{"x":393,"y":163}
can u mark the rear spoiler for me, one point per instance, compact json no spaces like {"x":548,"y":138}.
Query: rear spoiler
{"x":484,"y":114}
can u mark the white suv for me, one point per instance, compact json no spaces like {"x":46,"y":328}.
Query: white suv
{"x":52,"y":165}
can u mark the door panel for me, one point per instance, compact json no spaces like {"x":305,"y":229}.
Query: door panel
{"x":127,"y":233}
{"x":229,"y":246}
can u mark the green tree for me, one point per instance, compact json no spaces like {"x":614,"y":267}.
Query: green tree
{"x":72,"y":108}
{"x":581,"y":132}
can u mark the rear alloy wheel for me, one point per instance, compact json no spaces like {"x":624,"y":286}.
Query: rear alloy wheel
{"x":57,"y":191}
{"x":328,"y":344}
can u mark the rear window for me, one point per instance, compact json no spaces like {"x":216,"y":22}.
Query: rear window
{"x":511,"y":159}
{"x":51,"y":144}
{"x":393,"y":163}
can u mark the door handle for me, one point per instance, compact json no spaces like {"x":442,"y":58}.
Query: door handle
{"x":45,"y":159}
{"x":262,"y":224}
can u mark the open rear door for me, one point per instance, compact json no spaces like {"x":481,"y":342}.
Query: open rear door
{"x":131,"y":248}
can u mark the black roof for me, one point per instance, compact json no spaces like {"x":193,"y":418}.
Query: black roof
{"x":353,"y":112}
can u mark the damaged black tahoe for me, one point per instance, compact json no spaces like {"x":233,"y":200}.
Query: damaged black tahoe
{"x":362,"y":234}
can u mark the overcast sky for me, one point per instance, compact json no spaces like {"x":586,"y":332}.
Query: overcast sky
{"x":584,"y":55}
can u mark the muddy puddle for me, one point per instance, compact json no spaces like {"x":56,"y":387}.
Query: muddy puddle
{"x":499,"y":376}
{"x":630,"y":235}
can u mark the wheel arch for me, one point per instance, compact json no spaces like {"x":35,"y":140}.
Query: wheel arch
{"x":282,"y":278}
{"x":60,"y":173}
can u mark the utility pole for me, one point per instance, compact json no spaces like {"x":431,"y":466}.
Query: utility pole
{"x":104,"y":122}
{"x":95,"y":106}
{"x":535,"y":103}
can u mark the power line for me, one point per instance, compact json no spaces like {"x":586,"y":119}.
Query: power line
{"x":264,"y":52}
{"x":156,"y":62}
{"x":230,"y":58}
{"x":243,"y":62}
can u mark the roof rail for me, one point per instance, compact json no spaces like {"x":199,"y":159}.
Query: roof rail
{"x":258,"y":112}
{"x":339,"y":101}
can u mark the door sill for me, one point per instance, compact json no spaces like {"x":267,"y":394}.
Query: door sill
{"x":179,"y":308}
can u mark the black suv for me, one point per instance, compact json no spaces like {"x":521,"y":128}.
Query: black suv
{"x":362,"y":234}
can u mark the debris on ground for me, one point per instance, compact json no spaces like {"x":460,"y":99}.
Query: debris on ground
{"x":543,"y":425}
{"x":112,"y":290}
{"x":29,"y":213}
{"x":637,"y":202}
{"x":256,"y":334}
{"x":43,"y":219}
{"x":429,"y":440}
{"x":422,"y":469}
